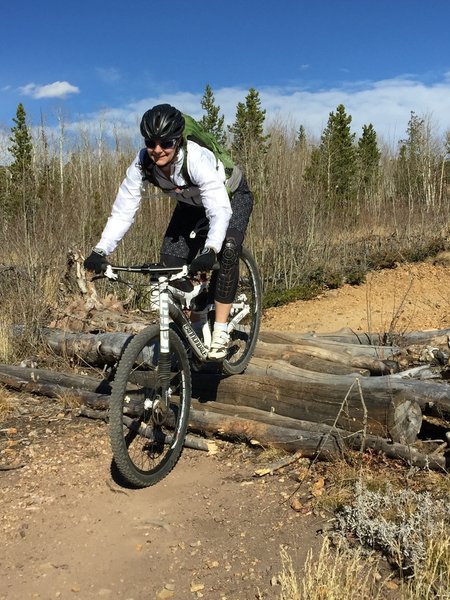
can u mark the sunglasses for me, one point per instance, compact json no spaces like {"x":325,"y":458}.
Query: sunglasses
{"x":164,"y":144}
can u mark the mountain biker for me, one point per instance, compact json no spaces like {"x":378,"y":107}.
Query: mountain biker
{"x":205,"y":195}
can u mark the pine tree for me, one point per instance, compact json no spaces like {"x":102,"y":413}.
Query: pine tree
{"x":249,"y":142}
{"x":20,"y":192}
{"x":368,"y":160}
{"x":300,"y":141}
{"x":239,"y":131}
{"x":446,"y":161}
{"x":255,"y":117}
{"x":21,"y":146}
{"x":333,"y":164}
{"x":413,"y":148}
{"x":212,"y":121}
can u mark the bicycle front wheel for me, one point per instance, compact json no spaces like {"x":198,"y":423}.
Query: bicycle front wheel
{"x":244,"y":337}
{"x":149,"y":408}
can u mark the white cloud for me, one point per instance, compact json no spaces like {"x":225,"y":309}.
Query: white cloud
{"x":57,"y":89}
{"x":387,"y":104}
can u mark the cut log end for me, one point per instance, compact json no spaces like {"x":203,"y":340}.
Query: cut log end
{"x":404,"y":419}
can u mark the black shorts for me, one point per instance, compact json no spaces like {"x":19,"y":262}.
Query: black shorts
{"x":177,"y":242}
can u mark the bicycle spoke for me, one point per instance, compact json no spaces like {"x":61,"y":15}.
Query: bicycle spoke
{"x":153,"y":419}
{"x":246,"y":311}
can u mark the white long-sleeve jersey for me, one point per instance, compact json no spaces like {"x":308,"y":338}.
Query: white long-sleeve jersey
{"x":208,"y":190}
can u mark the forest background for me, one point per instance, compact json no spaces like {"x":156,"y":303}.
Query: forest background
{"x":326,"y":210}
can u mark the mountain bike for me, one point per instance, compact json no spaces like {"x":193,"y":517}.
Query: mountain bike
{"x":151,"y":392}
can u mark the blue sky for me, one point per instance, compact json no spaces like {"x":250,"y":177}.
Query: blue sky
{"x":112,"y":60}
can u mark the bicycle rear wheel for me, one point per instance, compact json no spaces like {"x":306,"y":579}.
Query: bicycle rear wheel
{"x":245,"y":336}
{"x":149,"y":411}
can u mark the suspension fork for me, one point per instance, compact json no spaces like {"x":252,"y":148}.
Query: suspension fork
{"x":164,"y":348}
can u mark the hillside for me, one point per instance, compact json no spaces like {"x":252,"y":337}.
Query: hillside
{"x":409,"y":297}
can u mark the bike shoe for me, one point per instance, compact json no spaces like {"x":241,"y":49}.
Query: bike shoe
{"x":219,"y":345}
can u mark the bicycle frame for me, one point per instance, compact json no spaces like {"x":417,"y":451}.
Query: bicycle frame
{"x":168,"y":309}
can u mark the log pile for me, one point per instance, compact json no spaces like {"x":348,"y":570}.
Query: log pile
{"x":315,"y":394}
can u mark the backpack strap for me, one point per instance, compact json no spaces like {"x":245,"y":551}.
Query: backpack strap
{"x":184,"y":168}
{"x":147,"y":167}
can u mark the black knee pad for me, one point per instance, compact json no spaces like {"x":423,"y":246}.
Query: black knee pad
{"x":228,"y":275}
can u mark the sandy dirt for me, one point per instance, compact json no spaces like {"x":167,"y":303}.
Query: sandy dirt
{"x":211,"y":529}
{"x":407,"y":298}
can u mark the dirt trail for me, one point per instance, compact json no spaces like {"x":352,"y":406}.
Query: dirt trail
{"x":211,"y":529}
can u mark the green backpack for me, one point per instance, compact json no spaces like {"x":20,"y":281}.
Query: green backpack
{"x":192,"y":131}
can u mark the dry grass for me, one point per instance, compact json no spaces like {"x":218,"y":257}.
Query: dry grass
{"x":341,"y":480}
{"x":6,"y":343}
{"x":337,"y":573}
{"x":398,"y":523}
{"x":8,"y":403}
{"x":69,"y":400}
{"x":270,"y":453}
{"x":341,"y":572}
{"x":298,"y":237}
{"x":433,"y":581}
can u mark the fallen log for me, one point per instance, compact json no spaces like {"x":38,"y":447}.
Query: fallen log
{"x":422,"y":372}
{"x":326,"y":443}
{"x":381,"y":406}
{"x":66,"y":380}
{"x":190,"y":441}
{"x":29,"y":380}
{"x":95,"y":349}
{"x":274,"y":387}
{"x":310,"y":396}
{"x":425,"y":337}
{"x":333,"y":348}
{"x":106,"y":348}
{"x":377,"y":360}
{"x":376,"y":404}
{"x":345,"y":335}
{"x":320,"y":398}
{"x":320,"y":365}
{"x":244,"y":423}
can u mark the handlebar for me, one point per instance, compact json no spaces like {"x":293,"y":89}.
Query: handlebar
{"x":173,"y":273}
{"x":146,"y":269}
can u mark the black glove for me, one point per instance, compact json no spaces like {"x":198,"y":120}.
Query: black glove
{"x":96,"y":261}
{"x":205,"y":261}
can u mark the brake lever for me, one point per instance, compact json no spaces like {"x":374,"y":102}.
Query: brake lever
{"x":109,"y":273}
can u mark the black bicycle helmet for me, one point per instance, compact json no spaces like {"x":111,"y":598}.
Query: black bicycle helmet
{"x":162,"y":122}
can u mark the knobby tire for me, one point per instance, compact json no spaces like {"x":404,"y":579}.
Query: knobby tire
{"x":244,"y":338}
{"x":147,"y":442}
